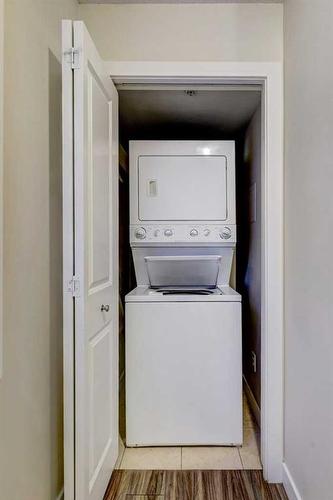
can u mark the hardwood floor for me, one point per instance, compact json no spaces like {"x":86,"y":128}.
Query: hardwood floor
{"x":192,"y":485}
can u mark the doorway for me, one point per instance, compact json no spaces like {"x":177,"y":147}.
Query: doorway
{"x":269,"y":77}
{"x":200,"y":112}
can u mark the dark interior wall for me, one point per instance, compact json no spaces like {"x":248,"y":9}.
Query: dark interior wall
{"x":123,"y":288}
{"x":126,"y":278}
{"x":249,"y":249}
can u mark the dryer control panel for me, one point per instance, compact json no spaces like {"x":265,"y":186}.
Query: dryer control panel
{"x":183,"y":233}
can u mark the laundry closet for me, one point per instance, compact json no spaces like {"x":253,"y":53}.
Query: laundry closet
{"x":190,"y":171}
{"x":162,"y":266}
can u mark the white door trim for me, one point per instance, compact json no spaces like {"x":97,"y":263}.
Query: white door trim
{"x":270,"y":76}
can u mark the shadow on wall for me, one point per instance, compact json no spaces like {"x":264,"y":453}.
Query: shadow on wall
{"x":249,"y":250}
{"x":55,"y":270}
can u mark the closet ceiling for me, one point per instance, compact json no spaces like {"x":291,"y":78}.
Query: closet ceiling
{"x":185,"y":113}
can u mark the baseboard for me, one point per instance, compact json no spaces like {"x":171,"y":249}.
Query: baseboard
{"x":289,"y":484}
{"x":61,"y":495}
{"x":252,"y":402}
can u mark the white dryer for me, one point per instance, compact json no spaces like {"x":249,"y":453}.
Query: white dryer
{"x":183,"y":321}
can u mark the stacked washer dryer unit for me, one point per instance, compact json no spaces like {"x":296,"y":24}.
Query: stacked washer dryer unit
{"x":183,"y":321}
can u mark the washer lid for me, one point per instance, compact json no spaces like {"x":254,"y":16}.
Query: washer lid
{"x":145,"y":294}
{"x":186,"y":290}
{"x":183,"y":270}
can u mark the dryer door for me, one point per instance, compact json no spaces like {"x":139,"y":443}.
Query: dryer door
{"x":182,"y":188}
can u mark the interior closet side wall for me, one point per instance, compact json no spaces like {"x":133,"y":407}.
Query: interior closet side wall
{"x":31,"y":450}
{"x":249,"y":252}
{"x":125,"y":277}
{"x":187,"y":32}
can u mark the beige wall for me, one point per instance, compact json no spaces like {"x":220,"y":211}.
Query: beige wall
{"x":31,"y":387}
{"x":191,"y":32}
{"x":309,"y":242}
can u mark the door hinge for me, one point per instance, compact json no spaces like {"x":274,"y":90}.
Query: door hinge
{"x":73,"y":58}
{"x":73,"y":286}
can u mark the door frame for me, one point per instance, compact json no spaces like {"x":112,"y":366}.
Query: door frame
{"x":270,"y":77}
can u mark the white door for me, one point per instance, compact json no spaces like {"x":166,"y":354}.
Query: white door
{"x":90,"y":130}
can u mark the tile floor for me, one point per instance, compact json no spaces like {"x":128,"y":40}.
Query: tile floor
{"x":203,"y":457}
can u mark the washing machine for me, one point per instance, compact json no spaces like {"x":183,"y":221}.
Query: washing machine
{"x":183,"y":320}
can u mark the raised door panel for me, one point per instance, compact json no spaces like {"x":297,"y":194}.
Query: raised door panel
{"x":100,"y":396}
{"x":99,"y":185}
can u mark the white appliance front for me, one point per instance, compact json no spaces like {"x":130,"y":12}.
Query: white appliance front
{"x":178,"y":188}
{"x":183,"y":321}
{"x":177,"y":181}
{"x":183,"y":373}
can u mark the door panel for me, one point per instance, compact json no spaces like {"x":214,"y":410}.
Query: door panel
{"x":96,"y":331}
{"x":95,"y":266}
{"x":100,"y":370}
{"x":99,"y":183}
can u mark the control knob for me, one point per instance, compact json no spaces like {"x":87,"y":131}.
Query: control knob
{"x":140,"y":233}
{"x":168,"y":232}
{"x":194,"y":232}
{"x":207,"y":232}
{"x":225,"y":234}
